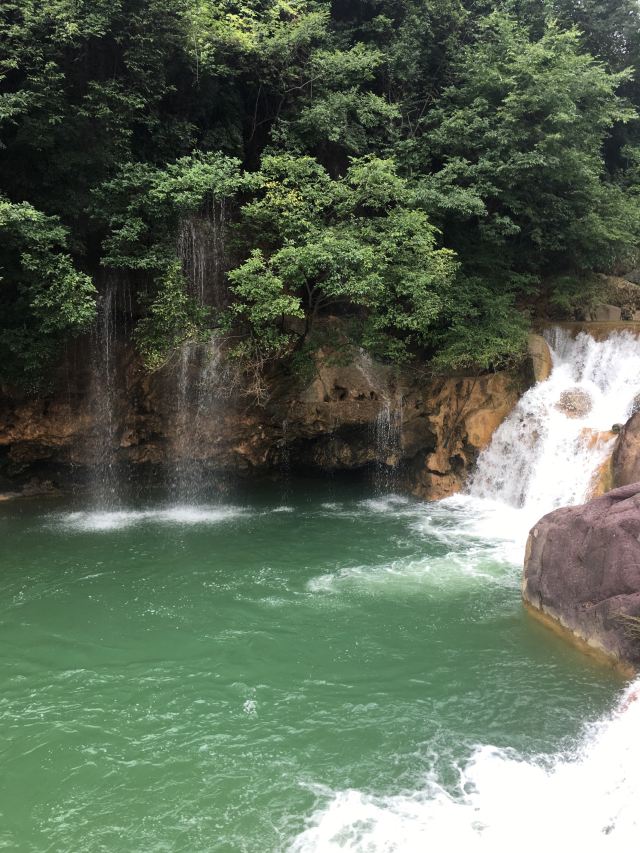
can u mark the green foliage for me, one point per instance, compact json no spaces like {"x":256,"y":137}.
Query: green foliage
{"x":261,"y":304}
{"x":519,"y":139}
{"x":85,"y":86}
{"x":143,"y":205}
{"x":424,"y":169}
{"x":353,"y":243}
{"x":573,"y":295}
{"x":173,"y":318}
{"x":483,"y":331}
{"x":43,"y":297}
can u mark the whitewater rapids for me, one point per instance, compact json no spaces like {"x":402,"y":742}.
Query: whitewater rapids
{"x":583,"y":799}
{"x":586,"y":800}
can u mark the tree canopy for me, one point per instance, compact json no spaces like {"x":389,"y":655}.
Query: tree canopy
{"x":426,"y":168}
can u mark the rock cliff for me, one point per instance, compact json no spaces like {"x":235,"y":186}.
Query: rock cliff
{"x":346,"y":414}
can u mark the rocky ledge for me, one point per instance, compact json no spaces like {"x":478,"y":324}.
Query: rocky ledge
{"x":347,"y":414}
{"x":582,"y":572}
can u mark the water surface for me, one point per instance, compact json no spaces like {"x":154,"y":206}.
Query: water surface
{"x":265,"y":672}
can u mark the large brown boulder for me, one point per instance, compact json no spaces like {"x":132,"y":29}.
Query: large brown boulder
{"x":626,"y":454}
{"x":582,"y":569}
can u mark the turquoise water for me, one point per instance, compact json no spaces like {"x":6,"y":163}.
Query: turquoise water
{"x":210,"y":678}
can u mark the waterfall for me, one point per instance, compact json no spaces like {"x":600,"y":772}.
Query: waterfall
{"x":199,"y":394}
{"x":548,"y":451}
{"x":387,"y":442}
{"x":113,"y":325}
{"x":103,"y":391}
{"x":544,"y":455}
{"x":585,"y":799}
{"x":201,"y":246}
{"x":199,"y":379}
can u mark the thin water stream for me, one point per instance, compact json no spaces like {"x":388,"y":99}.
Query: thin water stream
{"x":318,"y":669}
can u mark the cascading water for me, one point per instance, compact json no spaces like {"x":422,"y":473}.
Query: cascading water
{"x":387,"y":442}
{"x":198,"y":401}
{"x":547,"y":453}
{"x":367,"y":658}
{"x":201,"y":247}
{"x":584,"y":800}
{"x":103,"y":398}
{"x":113,"y":325}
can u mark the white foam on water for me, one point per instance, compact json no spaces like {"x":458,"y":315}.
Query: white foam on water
{"x":98,"y":521}
{"x":540,"y":458}
{"x":388,"y":504}
{"x":466,"y":522}
{"x":483,"y":539}
{"x":586,"y":800}
{"x":447,"y":574}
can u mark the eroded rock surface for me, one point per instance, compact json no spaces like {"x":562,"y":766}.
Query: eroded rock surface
{"x":540,"y":355}
{"x":347,"y":414}
{"x":582,"y":569}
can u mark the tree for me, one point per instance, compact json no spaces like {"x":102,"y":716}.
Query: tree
{"x":515,"y":175}
{"x":43,"y":297}
{"x":352,"y":244}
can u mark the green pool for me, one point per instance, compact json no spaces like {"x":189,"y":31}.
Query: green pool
{"x":238,"y":676}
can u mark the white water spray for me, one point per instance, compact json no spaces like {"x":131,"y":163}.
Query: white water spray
{"x":200,"y":391}
{"x":103,"y":395}
{"x":387,"y":441}
{"x":586,"y":800}
{"x":201,"y":246}
{"x":547,"y":453}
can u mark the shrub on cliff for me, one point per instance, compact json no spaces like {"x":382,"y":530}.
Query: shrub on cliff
{"x":43,"y":297}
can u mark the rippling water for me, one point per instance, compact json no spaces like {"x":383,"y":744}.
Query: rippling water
{"x":322,"y":671}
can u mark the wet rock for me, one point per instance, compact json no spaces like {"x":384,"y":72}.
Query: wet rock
{"x":626,"y":454}
{"x":540,"y":356}
{"x":575,"y":403}
{"x":347,"y":412}
{"x":582,"y":571}
{"x":462,"y":416}
{"x":622,"y":293}
{"x":34,"y":488}
{"x":603,"y":479}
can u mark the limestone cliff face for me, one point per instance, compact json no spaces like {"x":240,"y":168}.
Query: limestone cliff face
{"x":347,"y":415}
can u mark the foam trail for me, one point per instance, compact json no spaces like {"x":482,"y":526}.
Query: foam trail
{"x":586,"y":800}
{"x":119,"y":519}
